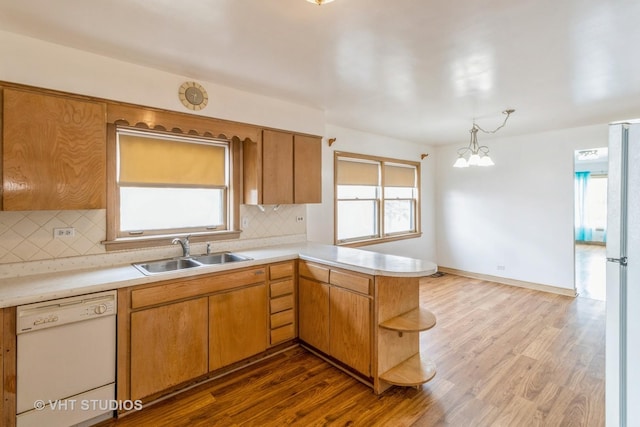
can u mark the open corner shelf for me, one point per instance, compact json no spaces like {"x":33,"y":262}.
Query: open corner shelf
{"x":416,"y":320}
{"x":415,"y":371}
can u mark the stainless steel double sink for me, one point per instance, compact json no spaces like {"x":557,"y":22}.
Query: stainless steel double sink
{"x":174,"y":264}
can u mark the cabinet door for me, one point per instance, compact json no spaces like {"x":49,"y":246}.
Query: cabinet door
{"x":313,"y":313}
{"x":237,"y":325}
{"x":307,"y":169}
{"x":350,"y":329}
{"x":168,"y":346}
{"x":54,"y":152}
{"x":277,"y":168}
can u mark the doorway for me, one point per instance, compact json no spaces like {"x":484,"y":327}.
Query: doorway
{"x":590,"y":223}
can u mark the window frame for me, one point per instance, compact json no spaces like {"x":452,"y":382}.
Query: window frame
{"x":117,"y":240}
{"x":382,"y":235}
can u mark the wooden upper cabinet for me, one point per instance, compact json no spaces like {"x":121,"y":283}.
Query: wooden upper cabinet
{"x":277,"y":168}
{"x":283,"y":168}
{"x":307,"y":169}
{"x":54,"y":152}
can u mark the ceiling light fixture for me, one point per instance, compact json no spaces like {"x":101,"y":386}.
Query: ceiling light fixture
{"x":320,"y":2}
{"x":478,"y":154}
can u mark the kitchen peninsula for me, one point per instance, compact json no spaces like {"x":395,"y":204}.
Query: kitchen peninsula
{"x":357,"y":309}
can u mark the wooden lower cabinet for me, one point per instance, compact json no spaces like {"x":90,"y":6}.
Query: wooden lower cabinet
{"x":237,"y":325}
{"x":368,"y":323}
{"x":336,"y":317}
{"x":350,"y":329}
{"x":282,"y":303}
{"x":168,"y":346}
{"x":178,"y":332}
{"x":313,"y":306}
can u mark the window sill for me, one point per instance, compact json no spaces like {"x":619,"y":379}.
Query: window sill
{"x":358,"y":243}
{"x":165,"y":240}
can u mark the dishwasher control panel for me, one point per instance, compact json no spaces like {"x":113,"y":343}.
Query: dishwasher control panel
{"x":59,"y":312}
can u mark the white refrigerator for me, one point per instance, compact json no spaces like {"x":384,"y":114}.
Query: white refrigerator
{"x":623,"y":277}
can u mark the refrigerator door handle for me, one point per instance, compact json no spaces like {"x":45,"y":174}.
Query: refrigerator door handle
{"x":621,"y":261}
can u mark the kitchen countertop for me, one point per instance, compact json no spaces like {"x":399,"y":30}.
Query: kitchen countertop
{"x":42,"y":287}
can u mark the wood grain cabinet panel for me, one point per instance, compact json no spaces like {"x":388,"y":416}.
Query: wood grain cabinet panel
{"x":279,"y":271}
{"x":283,"y":168}
{"x":313,"y":306}
{"x":54,"y":152}
{"x":237,"y":325}
{"x":282,"y":302}
{"x":350,"y":329}
{"x":282,"y":318}
{"x":282,"y":334}
{"x":336,"y":314}
{"x":168,"y":346}
{"x":281,"y":288}
{"x":307,"y":169}
{"x":277,"y":167}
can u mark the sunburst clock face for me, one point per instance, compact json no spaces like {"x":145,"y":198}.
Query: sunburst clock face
{"x":193,"y":96}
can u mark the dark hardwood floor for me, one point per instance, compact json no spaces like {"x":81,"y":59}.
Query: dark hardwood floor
{"x":505,"y":357}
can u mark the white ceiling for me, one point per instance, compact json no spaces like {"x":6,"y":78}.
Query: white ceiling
{"x":419,"y":70}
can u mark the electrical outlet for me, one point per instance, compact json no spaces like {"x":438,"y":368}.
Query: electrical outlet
{"x":245,"y":222}
{"x":64,"y":233}
{"x":501,"y":267}
{"x":299,"y":218}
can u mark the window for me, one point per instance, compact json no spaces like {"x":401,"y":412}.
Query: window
{"x":376,"y":199}
{"x":168,"y":184}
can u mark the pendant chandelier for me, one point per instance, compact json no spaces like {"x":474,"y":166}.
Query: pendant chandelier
{"x":320,"y":2}
{"x":478,"y":155}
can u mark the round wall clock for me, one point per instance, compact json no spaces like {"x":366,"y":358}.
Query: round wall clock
{"x":193,"y":96}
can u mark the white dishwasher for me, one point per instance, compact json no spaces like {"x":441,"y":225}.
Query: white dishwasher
{"x":66,"y":354}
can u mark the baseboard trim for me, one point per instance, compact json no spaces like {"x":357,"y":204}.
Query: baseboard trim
{"x":511,"y":282}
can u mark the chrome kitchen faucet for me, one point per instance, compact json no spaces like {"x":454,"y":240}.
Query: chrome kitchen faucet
{"x":186,"y":248}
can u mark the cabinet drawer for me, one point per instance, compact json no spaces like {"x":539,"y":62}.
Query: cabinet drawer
{"x":284,"y":333}
{"x":187,"y":288}
{"x":281,"y":288}
{"x":279,"y":271}
{"x":314,"y":271}
{"x":351,"y":281}
{"x":282,"y":318}
{"x":281,"y":303}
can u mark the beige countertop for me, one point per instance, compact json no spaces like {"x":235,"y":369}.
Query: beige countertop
{"x":42,"y":287}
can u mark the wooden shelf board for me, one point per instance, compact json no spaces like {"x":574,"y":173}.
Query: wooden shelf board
{"x":416,"y":370}
{"x":417,"y":320}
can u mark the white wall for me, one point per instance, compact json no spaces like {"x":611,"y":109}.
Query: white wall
{"x":517,"y":214}
{"x":321,"y":217}
{"x":33,"y":62}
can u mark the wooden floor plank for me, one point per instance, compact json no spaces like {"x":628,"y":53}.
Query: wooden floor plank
{"x":504,"y":356}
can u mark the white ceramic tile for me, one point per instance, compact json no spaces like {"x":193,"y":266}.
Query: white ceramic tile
{"x":69,"y":217}
{"x":25,"y":250}
{"x":41,"y":217}
{"x":39,"y":251}
{"x":10,"y":239}
{"x":10,"y":258}
{"x":55,"y":247}
{"x":10,"y":218}
{"x":25,"y":227}
{"x":54,"y":222}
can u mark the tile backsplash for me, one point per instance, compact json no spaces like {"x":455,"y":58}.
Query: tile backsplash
{"x":29,"y":236}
